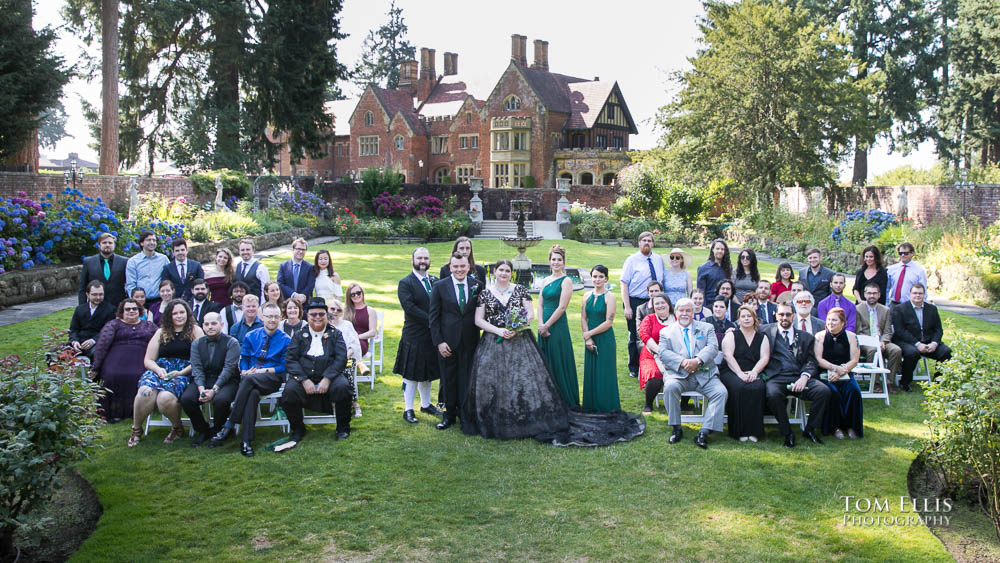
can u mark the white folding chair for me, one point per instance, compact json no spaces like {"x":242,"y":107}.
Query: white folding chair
{"x":206,"y":409}
{"x":373,"y":358}
{"x":795,"y":408}
{"x":874,"y":371}
{"x":927,"y":372}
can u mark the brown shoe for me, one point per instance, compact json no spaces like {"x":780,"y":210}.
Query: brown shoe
{"x":175,"y":432}
{"x":133,"y":440}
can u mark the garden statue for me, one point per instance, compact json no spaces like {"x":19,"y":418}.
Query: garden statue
{"x":562,"y":206}
{"x":902,"y":206}
{"x":218,"y":192}
{"x":133,"y":199}
{"x":256,"y":195}
{"x":476,"y":203}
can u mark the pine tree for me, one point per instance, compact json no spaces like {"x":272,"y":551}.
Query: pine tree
{"x":382,"y":51}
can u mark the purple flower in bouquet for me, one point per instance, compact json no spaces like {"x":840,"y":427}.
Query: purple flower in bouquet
{"x":516,"y":320}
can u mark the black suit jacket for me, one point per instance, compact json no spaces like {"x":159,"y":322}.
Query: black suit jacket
{"x":206,"y":308}
{"x":449,"y":323}
{"x":416,"y":304}
{"x":479,"y":271}
{"x":804,"y":352}
{"x":771,"y":310}
{"x":83,"y":326}
{"x":114,"y":287}
{"x":182,"y":288}
{"x":301,"y":366}
{"x":906,"y":327}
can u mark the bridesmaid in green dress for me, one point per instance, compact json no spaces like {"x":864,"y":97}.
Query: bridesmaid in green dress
{"x":600,"y":370}
{"x":553,"y":330}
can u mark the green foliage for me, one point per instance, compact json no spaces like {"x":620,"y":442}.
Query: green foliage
{"x":270,"y":222}
{"x":374,"y":181}
{"x":422,"y":228}
{"x":642,"y":188}
{"x":31,"y":76}
{"x":964,"y":415}
{"x":588,"y":225}
{"x":528,"y":181}
{"x":937,"y":175}
{"x":52,"y":128}
{"x":234,"y":183}
{"x":48,"y":421}
{"x":378,"y":229}
{"x":687,"y":202}
{"x":154,"y":207}
{"x":222,"y":224}
{"x":382,"y":51}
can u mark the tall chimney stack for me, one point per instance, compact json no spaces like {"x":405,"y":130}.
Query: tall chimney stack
{"x":518,"y":49}
{"x":450,"y":64}
{"x":541,"y":58}
{"x":408,"y":76}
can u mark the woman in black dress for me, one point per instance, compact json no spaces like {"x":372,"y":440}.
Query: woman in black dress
{"x":837,"y":352}
{"x":511,"y":392}
{"x":871,"y":271}
{"x":745,"y":352}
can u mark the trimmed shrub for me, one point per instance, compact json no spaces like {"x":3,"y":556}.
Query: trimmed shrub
{"x":234,"y":183}
{"x":375,"y":181}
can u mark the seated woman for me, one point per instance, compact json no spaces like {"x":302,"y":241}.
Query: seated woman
{"x":139,"y":294}
{"x":837,"y":352}
{"x":335,"y":314}
{"x":219,"y":276}
{"x":272,"y":294}
{"x":292,"y":321}
{"x":745,"y":352}
{"x":650,"y":374}
{"x":167,"y":291}
{"x":327,"y":280}
{"x":512,"y":394}
{"x":701,"y":312}
{"x":168,"y":370}
{"x":118,"y":359}
{"x":361,"y":316}
{"x":718,"y":320}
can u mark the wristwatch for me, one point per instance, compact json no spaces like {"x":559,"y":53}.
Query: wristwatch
{"x":700,"y":362}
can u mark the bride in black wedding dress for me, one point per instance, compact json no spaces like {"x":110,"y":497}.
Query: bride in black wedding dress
{"x":511,"y":392}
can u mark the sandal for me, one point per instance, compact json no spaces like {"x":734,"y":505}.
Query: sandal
{"x":133,"y":440}
{"x":357,"y":410}
{"x":175,"y":432}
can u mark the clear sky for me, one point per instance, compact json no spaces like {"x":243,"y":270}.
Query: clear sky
{"x":637,"y":43}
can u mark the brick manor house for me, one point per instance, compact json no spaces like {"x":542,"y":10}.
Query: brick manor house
{"x":535,"y":126}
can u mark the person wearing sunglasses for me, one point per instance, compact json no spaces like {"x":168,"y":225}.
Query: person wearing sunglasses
{"x":904,"y":274}
{"x":804,"y":318}
{"x":118,"y":359}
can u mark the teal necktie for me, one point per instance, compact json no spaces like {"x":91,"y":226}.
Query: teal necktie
{"x":687,"y":341}
{"x":107,"y":269}
{"x":427,"y":284}
{"x":461,"y":296}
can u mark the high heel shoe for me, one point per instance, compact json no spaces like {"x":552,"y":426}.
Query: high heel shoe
{"x":133,"y":440}
{"x":357,"y":410}
{"x":175,"y":432}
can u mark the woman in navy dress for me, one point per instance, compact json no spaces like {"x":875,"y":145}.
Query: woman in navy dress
{"x":837,"y":352}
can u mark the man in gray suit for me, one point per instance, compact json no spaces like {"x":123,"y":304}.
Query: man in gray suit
{"x":687,"y":353}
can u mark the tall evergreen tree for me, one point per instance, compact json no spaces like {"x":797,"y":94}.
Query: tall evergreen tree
{"x":382,"y":51}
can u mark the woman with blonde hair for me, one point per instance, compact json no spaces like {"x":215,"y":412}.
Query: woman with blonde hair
{"x":361,"y":316}
{"x":745,"y":353}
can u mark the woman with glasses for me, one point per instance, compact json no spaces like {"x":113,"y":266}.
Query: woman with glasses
{"x":327,"y":280}
{"x":336,"y":319}
{"x":677,"y":280}
{"x":361,"y":316}
{"x":746,"y":276}
{"x":118,"y":359}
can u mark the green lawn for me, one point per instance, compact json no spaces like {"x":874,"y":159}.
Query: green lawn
{"x":401,"y":492}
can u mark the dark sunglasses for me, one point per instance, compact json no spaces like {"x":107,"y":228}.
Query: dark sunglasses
{"x":905,"y":253}
{"x":356,"y":293}
{"x":317,"y":314}
{"x":129,"y":309}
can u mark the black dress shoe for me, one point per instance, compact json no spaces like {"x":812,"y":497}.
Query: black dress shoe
{"x":906,"y":387}
{"x":408,"y":416}
{"x":431,"y":410}
{"x":701,"y":440}
{"x":445,"y":424}
{"x":199,"y":440}
{"x":246,"y":449}
{"x":809,"y":435}
{"x":343,"y":434}
{"x":676,"y":436}
{"x":790,"y":440}
{"x":223,"y":435}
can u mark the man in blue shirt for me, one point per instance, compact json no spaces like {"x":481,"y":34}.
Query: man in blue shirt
{"x":249,"y":322}
{"x":638,"y":271}
{"x":144,"y":269}
{"x":262,"y":371}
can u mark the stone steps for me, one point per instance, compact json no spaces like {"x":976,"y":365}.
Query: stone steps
{"x":496,"y":229}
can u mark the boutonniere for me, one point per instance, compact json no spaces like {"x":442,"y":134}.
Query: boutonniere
{"x":190,"y":277}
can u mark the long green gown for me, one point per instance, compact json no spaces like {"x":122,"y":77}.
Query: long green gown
{"x":557,"y":348}
{"x":600,"y":371}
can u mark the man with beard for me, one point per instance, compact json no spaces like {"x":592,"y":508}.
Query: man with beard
{"x":804,"y":319}
{"x":200,"y":304}
{"x":416,"y":357}
{"x":837,"y":299}
{"x":875,"y":319}
{"x":107,"y":268}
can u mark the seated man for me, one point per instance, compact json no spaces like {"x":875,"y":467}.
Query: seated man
{"x":765,"y":308}
{"x":249,"y":322}
{"x":917,"y":331}
{"x":200,"y":303}
{"x":88,"y":320}
{"x":262,"y":371}
{"x":654,"y":288}
{"x":793,"y":363}
{"x":215,"y":361}
{"x":315,"y":362}
{"x":836,"y":299}
{"x":804,"y":318}
{"x":875,"y":319}
{"x":687,"y":352}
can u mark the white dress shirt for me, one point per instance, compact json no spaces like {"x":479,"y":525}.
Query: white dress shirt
{"x":316,"y":345}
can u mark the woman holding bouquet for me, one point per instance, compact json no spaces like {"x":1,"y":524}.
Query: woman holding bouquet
{"x":600,"y":372}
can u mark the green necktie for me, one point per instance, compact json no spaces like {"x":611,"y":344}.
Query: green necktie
{"x":461,"y":296}
{"x":107,"y":269}
{"x":427,"y":284}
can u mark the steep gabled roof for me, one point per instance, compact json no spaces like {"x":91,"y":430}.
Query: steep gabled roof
{"x":552,"y":88}
{"x":399,"y":101}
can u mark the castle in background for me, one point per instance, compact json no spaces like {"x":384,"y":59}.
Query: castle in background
{"x":535,"y":126}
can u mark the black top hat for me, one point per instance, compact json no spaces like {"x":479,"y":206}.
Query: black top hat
{"x":316,"y":303}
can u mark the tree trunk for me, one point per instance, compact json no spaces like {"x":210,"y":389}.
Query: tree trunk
{"x":860,"y":178}
{"x":28,"y":155}
{"x":226,"y":77}
{"x":109,"y":88}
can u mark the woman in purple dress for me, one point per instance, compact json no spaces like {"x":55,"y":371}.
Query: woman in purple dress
{"x":219,"y":276}
{"x":359,"y":314}
{"x":118,"y":359}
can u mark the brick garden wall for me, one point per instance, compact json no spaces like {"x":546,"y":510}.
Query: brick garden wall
{"x":494,"y":199}
{"x":109,"y":188}
{"x":925,"y":203}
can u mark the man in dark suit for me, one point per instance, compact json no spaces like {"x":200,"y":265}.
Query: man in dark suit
{"x":793,"y":362}
{"x":296,"y":276}
{"x":416,"y":359}
{"x":88,"y":320}
{"x":816,"y":277}
{"x":315,"y":362}
{"x":200,"y":304}
{"x":182,"y":271}
{"x":454,"y":333}
{"x":765,"y":309}
{"x":917,"y":331}
{"x":107,"y":268}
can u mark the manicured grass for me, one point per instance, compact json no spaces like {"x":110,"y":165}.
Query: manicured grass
{"x":401,"y":492}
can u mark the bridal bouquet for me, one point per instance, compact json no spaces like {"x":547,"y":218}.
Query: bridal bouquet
{"x":516,"y":319}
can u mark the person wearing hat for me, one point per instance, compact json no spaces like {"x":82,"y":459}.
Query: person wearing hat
{"x":677,"y":280}
{"x":639,"y":269}
{"x":316,"y":360}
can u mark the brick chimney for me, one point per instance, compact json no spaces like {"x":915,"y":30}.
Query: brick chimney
{"x":541,"y":55}
{"x":519,"y":49}
{"x":450,"y":64}
{"x":428,"y":74}
{"x":408,"y":76}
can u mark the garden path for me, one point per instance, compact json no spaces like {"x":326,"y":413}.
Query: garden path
{"x":28,"y":311}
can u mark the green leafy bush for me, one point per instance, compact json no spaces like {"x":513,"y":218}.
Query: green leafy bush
{"x":687,"y":202}
{"x":937,"y":175}
{"x":48,"y":421}
{"x":234,"y":183}
{"x":379,"y":229}
{"x":643,"y":187}
{"x":964,"y":418}
{"x":223,"y":224}
{"x":529,"y":181}
{"x":421,"y":228}
{"x":374,"y":181}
